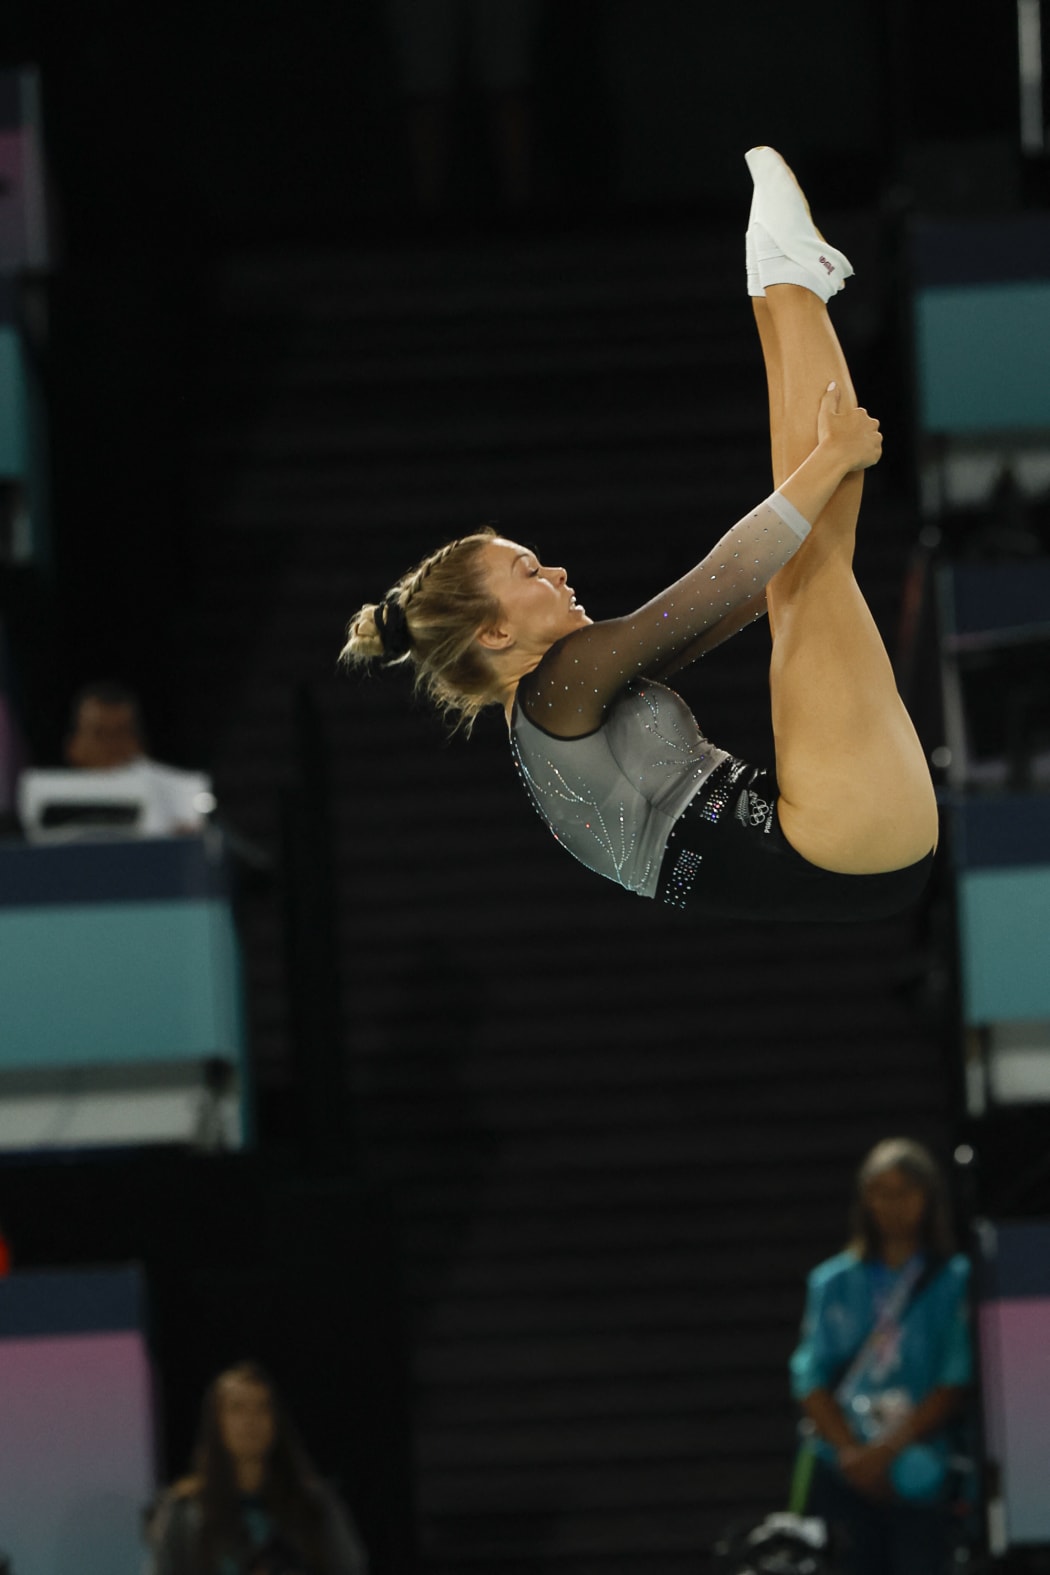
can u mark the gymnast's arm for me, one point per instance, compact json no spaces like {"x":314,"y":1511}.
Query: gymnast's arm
{"x":569,"y":692}
{"x":747,"y":613}
{"x":804,"y":488}
{"x":578,"y":678}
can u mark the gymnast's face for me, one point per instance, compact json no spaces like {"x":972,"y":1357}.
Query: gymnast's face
{"x":537,"y":605}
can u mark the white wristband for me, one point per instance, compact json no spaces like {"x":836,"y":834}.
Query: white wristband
{"x":790,"y":515}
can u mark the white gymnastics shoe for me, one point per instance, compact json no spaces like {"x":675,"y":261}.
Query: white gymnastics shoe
{"x":788,"y":247}
{"x":754,"y":282}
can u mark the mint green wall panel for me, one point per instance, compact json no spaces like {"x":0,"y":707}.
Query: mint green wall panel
{"x":984,"y":357}
{"x":116,"y":982}
{"x":13,"y":406}
{"x":1004,"y":935}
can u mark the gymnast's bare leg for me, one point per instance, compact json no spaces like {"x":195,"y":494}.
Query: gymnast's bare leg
{"x":856,"y":794}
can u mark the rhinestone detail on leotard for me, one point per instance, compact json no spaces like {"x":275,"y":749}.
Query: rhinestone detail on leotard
{"x":611,"y":797}
{"x":605,"y":843}
{"x":710,"y":803}
{"x":680,"y":881}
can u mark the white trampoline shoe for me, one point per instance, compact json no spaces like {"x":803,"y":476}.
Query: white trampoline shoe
{"x":754,"y":282}
{"x":785,"y":243}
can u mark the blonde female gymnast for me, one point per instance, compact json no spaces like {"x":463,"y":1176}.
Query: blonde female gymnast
{"x":613,"y":759}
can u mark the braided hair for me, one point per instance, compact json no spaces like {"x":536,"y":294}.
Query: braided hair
{"x":430,"y":621}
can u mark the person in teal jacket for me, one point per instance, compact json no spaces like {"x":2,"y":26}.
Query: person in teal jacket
{"x":883,"y":1367}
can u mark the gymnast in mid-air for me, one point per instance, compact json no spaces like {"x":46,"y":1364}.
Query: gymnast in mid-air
{"x":614,"y":761}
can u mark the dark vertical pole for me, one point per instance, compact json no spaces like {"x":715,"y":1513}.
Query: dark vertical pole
{"x":313,"y":957}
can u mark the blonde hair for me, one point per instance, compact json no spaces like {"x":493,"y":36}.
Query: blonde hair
{"x":444,"y":601}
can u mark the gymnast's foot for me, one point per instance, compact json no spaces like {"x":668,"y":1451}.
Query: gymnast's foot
{"x":784,"y":245}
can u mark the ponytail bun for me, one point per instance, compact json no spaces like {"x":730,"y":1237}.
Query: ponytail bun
{"x":363,"y":640}
{"x":429,"y":621}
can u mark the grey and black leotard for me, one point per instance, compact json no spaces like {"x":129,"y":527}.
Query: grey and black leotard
{"x":617,"y":767}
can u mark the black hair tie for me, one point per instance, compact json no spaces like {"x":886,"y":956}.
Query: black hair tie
{"x":393,"y":628}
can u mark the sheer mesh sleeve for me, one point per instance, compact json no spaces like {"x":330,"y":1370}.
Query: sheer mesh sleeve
{"x":569,"y":691}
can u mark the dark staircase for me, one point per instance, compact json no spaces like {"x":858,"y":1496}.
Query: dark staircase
{"x":616,"y":1141}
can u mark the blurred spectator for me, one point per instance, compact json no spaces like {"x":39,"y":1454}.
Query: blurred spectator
{"x":106,"y":735}
{"x":105,"y":728}
{"x":495,"y":39}
{"x":254,"y":1504}
{"x":882,"y":1369}
{"x":5,"y":1255}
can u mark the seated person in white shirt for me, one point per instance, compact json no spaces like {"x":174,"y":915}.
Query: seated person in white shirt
{"x":106,"y":734}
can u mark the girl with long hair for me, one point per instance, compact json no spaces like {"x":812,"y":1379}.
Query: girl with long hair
{"x":253,"y":1504}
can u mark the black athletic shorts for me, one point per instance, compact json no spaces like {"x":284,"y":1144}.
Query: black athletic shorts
{"x":727,"y":858}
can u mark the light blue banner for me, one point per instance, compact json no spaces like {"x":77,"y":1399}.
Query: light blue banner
{"x":13,"y":407}
{"x":106,"y":983}
{"x":983,"y":359}
{"x":1004,"y":932}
